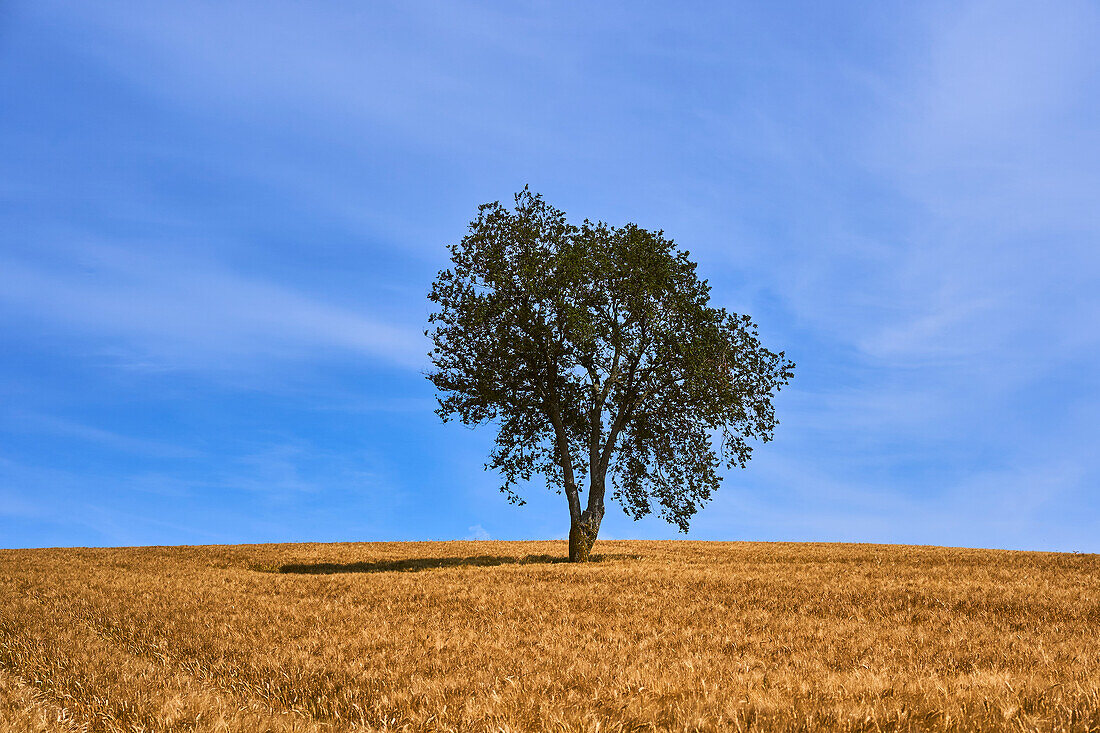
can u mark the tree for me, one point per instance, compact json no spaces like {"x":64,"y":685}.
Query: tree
{"x":596,"y":353}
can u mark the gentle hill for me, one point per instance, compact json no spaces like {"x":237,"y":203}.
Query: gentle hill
{"x":504,"y":636}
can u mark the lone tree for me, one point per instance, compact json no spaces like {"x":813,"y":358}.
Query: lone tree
{"x":596,"y":352}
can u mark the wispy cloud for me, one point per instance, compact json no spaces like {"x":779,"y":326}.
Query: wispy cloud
{"x":175,"y":312}
{"x":61,"y":427}
{"x":948,"y":294}
{"x":248,"y":492}
{"x":477,"y":532}
{"x":990,"y":139}
{"x":903,"y":195}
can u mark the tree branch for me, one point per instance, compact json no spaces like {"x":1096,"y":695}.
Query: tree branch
{"x":565,"y":459}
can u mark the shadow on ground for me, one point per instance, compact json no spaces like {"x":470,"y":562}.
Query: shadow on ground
{"x":413,"y":565}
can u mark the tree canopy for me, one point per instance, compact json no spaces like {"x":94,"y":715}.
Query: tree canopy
{"x":595,"y":351}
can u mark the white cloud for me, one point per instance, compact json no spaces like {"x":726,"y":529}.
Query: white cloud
{"x":477,"y":532}
{"x":161,"y":312}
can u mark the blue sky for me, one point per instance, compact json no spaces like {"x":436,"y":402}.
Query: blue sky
{"x":219,"y":222}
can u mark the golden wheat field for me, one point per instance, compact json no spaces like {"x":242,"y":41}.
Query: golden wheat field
{"x":503,"y":636}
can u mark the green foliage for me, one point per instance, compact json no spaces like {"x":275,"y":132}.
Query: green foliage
{"x":595,"y":351}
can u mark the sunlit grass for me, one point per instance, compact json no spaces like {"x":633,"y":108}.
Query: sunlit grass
{"x":504,"y":636}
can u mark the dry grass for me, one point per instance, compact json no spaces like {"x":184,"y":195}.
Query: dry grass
{"x":501,"y":636}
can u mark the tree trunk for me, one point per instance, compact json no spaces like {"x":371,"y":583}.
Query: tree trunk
{"x":582,"y":535}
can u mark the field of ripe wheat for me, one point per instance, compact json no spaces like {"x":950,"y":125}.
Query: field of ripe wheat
{"x":504,"y":636}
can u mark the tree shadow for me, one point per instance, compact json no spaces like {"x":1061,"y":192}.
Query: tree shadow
{"x":413,"y":565}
